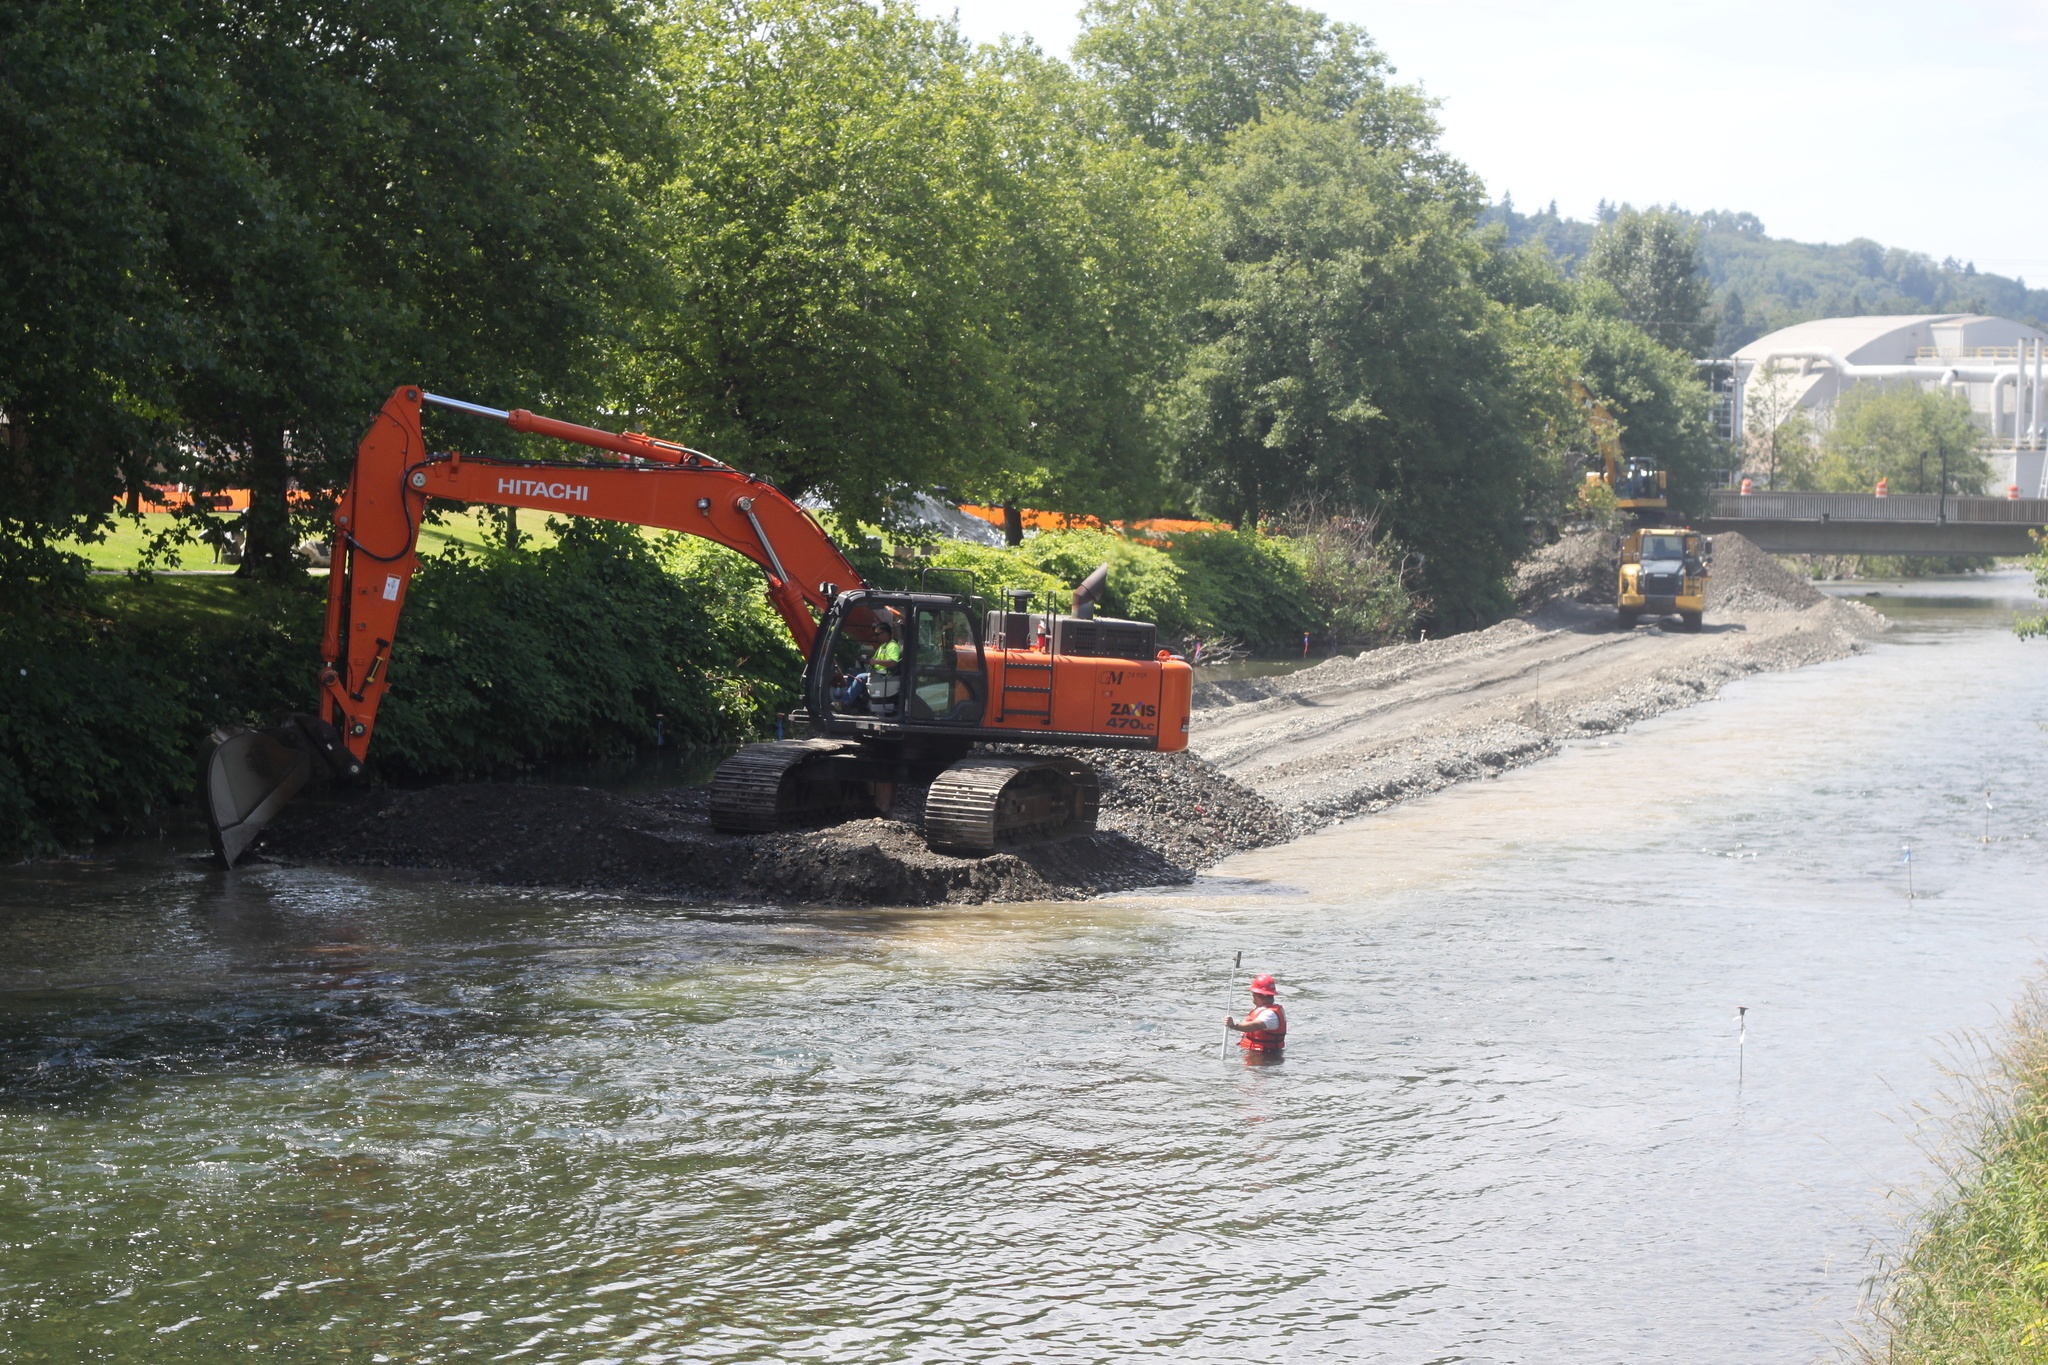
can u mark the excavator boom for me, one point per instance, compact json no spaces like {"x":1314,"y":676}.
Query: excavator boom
{"x":377,"y":521}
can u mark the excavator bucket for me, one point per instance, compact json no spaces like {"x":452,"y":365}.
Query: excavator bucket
{"x":251,"y":774}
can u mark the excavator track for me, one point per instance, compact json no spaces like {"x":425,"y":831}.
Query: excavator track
{"x":785,"y":784}
{"x":981,"y":805}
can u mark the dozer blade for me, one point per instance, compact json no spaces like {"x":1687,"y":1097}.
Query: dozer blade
{"x":249,"y":777}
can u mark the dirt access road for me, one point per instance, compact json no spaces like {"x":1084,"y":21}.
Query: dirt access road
{"x":1355,"y":734}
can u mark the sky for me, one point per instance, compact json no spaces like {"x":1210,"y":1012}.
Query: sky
{"x":1923,"y":126}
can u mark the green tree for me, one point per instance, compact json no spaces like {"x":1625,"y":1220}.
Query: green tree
{"x":1352,"y":352}
{"x":423,"y":189}
{"x":1191,"y":72}
{"x":1921,"y":440}
{"x":1652,"y":389}
{"x":1779,"y":439}
{"x":1651,"y":260}
{"x":99,"y":106}
{"x":243,"y":223}
{"x":827,"y":232}
{"x":1098,"y":249}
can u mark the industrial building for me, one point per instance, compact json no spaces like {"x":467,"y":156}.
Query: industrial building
{"x":2000,"y":365}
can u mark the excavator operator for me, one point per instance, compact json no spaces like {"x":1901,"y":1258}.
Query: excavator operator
{"x":883,"y":675}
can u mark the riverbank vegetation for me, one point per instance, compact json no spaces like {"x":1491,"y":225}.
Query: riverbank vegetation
{"x":1216,"y":265}
{"x":1972,"y":1285}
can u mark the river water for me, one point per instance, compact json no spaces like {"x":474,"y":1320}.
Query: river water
{"x":340,"y":1115}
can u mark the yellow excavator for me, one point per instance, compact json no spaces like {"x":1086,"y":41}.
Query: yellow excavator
{"x":1638,"y":486}
{"x":1663,"y":570}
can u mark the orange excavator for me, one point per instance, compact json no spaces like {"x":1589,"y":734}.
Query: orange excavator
{"x":899,"y":687}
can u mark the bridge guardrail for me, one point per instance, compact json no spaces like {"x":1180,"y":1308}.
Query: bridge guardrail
{"x":1914,"y":507}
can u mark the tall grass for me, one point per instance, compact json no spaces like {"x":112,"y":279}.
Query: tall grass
{"x":1972,"y":1284}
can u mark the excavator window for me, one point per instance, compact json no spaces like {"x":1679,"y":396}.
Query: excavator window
{"x":865,"y":660}
{"x":949,"y":681}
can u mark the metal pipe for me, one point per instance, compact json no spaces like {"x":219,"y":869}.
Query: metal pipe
{"x":2036,"y":428}
{"x":473,"y":409}
{"x":1848,"y":370}
{"x":746,"y":505}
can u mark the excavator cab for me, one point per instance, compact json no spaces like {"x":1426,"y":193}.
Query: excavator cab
{"x":892,"y":662}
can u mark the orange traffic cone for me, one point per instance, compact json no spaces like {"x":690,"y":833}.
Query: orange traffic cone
{"x":1884,"y":488}
{"x":1747,"y":488}
{"x":2012,"y":492}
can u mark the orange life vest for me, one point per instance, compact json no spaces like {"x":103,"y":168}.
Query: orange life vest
{"x":1265,"y":1040}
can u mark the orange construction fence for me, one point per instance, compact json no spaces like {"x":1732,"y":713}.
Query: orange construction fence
{"x":1153,"y":528}
{"x":177,"y":497}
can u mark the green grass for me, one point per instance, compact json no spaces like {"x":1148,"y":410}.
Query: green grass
{"x":127,"y":540}
{"x":1972,"y":1286}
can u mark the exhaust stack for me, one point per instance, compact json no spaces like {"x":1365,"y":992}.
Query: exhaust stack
{"x":1090,"y":592}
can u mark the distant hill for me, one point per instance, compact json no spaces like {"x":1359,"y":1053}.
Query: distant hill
{"x":1762,"y":283}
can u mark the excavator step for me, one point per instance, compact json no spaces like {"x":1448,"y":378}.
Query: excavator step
{"x":786,"y":784}
{"x":986,"y":803}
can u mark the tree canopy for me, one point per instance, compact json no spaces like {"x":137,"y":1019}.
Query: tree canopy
{"x":1919,"y":440}
{"x":1217,"y":264}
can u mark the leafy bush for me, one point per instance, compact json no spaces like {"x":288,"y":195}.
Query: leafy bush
{"x":108,"y":690}
{"x":1246,"y":586}
{"x":91,"y":742}
{"x":1355,"y":580}
{"x":991,"y":571}
{"x":506,"y":659}
{"x":510,"y":658}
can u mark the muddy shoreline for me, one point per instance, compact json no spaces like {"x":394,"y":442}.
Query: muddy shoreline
{"x":1270,"y":759}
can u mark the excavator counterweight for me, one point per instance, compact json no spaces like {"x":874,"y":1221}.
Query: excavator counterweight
{"x":899,"y":687}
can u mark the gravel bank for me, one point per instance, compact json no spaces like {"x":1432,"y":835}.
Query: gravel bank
{"x":1355,"y":735}
{"x":1164,"y":818}
{"x":1271,"y":759}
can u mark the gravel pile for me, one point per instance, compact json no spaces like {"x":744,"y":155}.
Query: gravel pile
{"x":1164,"y":817}
{"x":1580,"y":567}
{"x":1745,"y":579}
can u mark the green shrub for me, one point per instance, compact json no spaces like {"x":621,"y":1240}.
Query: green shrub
{"x":992,"y":571}
{"x":1354,"y":580}
{"x":91,"y":740}
{"x":510,"y":658}
{"x":109,"y":688}
{"x":1245,"y":586}
{"x":1972,"y":1283}
{"x":505,"y":659}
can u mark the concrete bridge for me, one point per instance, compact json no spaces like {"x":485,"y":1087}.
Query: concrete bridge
{"x":1860,"y":524}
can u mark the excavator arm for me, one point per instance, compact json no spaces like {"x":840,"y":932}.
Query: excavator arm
{"x":648,"y":483}
{"x":639,"y":479}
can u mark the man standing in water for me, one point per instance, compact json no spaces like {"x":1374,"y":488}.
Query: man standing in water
{"x":1264,"y":1030}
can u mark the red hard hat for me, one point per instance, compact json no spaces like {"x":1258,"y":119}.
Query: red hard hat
{"x":1263,"y":985}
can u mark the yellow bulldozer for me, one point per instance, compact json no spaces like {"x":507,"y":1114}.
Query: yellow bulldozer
{"x":1663,"y":570}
